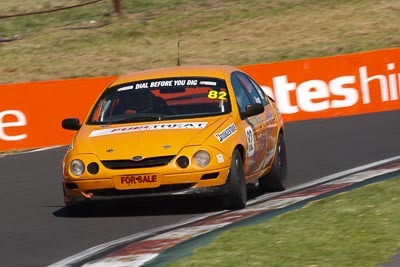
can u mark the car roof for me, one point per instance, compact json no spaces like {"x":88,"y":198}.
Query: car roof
{"x":217,"y":71}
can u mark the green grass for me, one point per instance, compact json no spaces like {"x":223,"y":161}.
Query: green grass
{"x":360,"y":228}
{"x":356,"y":228}
{"x":91,"y":41}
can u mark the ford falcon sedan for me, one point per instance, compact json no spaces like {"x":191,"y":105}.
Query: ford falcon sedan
{"x":178,"y":131}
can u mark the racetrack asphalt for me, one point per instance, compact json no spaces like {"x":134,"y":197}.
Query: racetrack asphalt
{"x":36,"y":231}
{"x":394,"y":261}
{"x":173,"y":244}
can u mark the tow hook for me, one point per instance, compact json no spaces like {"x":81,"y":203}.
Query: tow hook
{"x":87,"y":195}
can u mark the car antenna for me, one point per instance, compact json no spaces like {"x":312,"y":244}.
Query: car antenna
{"x":179,"y":37}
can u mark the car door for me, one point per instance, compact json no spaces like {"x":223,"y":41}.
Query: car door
{"x":252,"y":126}
{"x":270,"y":121}
{"x":262,"y":128}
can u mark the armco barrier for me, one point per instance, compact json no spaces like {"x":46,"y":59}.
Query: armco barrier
{"x":31,"y":113}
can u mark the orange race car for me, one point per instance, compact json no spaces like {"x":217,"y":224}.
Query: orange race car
{"x":185,"y":130}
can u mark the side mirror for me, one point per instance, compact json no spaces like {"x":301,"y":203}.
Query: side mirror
{"x":71,"y":124}
{"x":254,"y":109}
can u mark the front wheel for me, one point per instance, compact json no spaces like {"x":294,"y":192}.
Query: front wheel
{"x":236,"y":197}
{"x":276,"y":179}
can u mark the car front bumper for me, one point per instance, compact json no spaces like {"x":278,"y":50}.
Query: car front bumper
{"x":190,"y":184}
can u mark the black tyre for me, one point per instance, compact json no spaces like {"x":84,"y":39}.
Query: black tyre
{"x":276,"y":179}
{"x":236,"y":197}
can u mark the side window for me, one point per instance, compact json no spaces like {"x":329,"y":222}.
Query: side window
{"x":264,"y":98}
{"x":255,"y":92}
{"x":242,"y":97}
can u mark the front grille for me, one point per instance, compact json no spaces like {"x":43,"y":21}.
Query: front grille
{"x":161,"y":189}
{"x":130,"y":164}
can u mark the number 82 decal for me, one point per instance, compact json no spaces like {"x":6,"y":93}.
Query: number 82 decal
{"x":216,"y":95}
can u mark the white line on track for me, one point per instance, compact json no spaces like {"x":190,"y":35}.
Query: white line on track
{"x":97,"y":249}
{"x":326,"y":179}
{"x":103,"y":247}
{"x":10,"y":153}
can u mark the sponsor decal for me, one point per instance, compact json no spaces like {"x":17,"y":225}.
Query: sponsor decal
{"x":150,"y":127}
{"x":220,"y":158}
{"x":125,"y":88}
{"x":165,"y":83}
{"x":222,"y":136}
{"x":208,"y":83}
{"x":250,"y":141}
{"x":138,"y":179}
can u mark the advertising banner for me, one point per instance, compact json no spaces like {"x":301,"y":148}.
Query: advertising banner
{"x":31,"y":113}
{"x":332,"y":86}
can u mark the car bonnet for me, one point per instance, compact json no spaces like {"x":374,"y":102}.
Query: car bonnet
{"x":159,"y":138}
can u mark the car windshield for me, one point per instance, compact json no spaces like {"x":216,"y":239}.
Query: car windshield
{"x":161,"y":99}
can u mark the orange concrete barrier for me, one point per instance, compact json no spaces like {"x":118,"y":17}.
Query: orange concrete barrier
{"x":31,"y":113}
{"x":332,"y":86}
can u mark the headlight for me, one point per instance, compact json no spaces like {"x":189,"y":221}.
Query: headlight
{"x":77,"y":167}
{"x":202,"y":158}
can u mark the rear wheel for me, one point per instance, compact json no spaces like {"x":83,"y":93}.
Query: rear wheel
{"x":276,"y":179}
{"x":236,"y":197}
